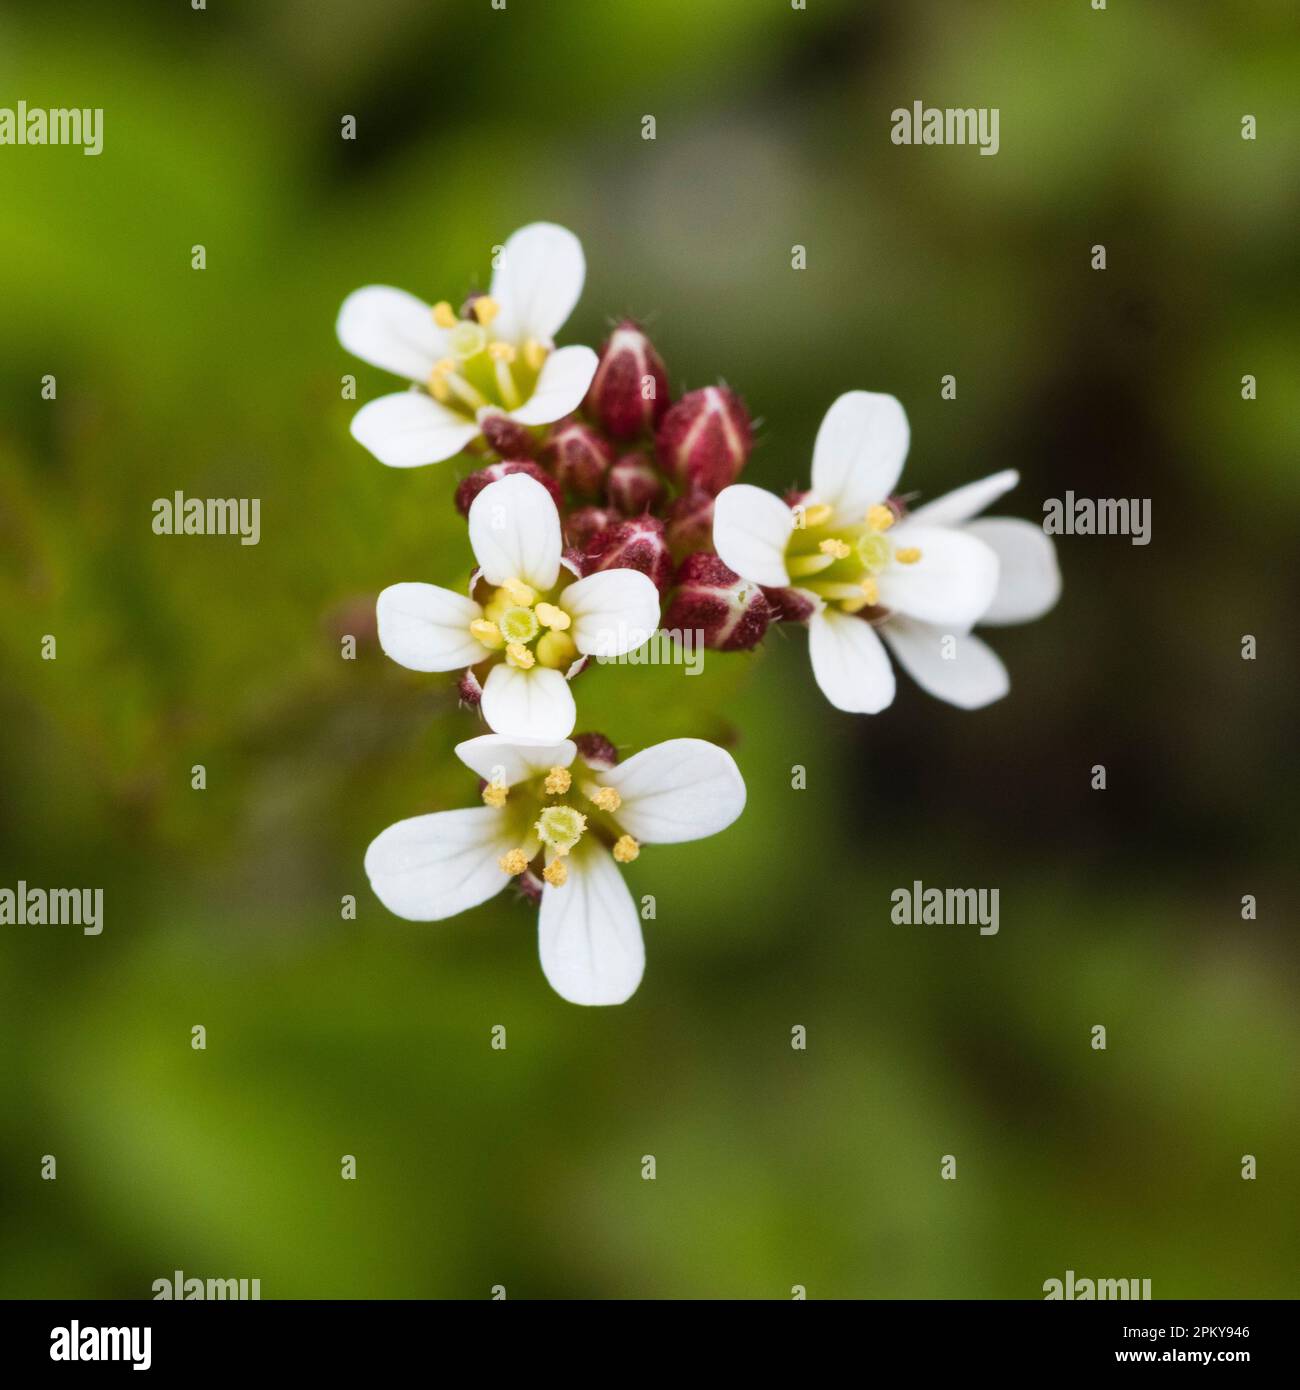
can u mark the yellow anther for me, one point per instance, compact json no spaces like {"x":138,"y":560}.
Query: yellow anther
{"x":444,"y":315}
{"x":605,"y":799}
{"x":487,"y":632}
{"x":503,"y":352}
{"x":907,"y":555}
{"x":439,"y":389}
{"x":558,"y":781}
{"x":519,"y":656}
{"x":880,"y":517}
{"x":556,"y":650}
{"x":816,"y":515}
{"x":444,"y":366}
{"x":534,"y":354}
{"x":515,"y":861}
{"x":871,"y":591}
{"x":485,"y":309}
{"x":520,"y":593}
{"x":551,"y":616}
{"x":495,"y":795}
{"x":626,"y":849}
{"x":555,"y":873}
{"x":837,"y":550}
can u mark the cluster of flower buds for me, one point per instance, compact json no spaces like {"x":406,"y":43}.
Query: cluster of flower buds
{"x":634,"y":474}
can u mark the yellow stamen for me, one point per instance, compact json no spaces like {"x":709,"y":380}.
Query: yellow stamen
{"x":503,"y":352}
{"x":800,"y":566}
{"x":556,"y":650}
{"x":558,"y":781}
{"x":520,"y":593}
{"x":485,"y":309}
{"x":488,"y":633}
{"x":837,"y":550}
{"x":871,"y":591}
{"x":495,"y":795}
{"x":503,"y":355}
{"x":555,"y":873}
{"x":551,"y":616}
{"x":816,"y":515}
{"x":515,"y":861}
{"x":534,"y":354}
{"x":444,"y":315}
{"x":626,"y":849}
{"x":605,"y":799}
{"x":520,"y":657}
{"x":445,"y":378}
{"x":880,"y":517}
{"x":908,"y":555}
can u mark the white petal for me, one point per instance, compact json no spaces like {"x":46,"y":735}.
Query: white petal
{"x":537,"y":282}
{"x":431,"y":867}
{"x":409,"y":429}
{"x":965,"y":502}
{"x":613,"y":611}
{"x":508,"y":761}
{"x":971,"y":678}
{"x":391,"y":329}
{"x":536,"y":703}
{"x":683,"y":789}
{"x":565,"y":376}
{"x":849,"y":662}
{"x":588,"y":931}
{"x":515,"y":531}
{"x":951,"y":584}
{"x":1029,"y":579}
{"x":859,"y":453}
{"x":751,"y":529}
{"x":427,"y":628}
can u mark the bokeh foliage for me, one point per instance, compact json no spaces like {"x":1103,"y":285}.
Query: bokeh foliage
{"x":371,"y":1037}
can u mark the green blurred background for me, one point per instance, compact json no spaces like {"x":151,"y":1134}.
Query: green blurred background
{"x":371,"y":1037}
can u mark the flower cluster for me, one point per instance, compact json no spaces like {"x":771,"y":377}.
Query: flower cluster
{"x":600,"y":510}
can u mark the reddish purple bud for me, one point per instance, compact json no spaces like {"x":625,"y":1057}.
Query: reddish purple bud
{"x":629,"y":392}
{"x":634,"y":485}
{"x":789,"y":605}
{"x":508,"y":437}
{"x":690,"y":522}
{"x":596,"y":751}
{"x":578,"y":456}
{"x":636,"y":544}
{"x":704,"y":440}
{"x":470,"y":487}
{"x":582,"y":526}
{"x":529,"y":886}
{"x":471,"y":692}
{"x":729,"y":612}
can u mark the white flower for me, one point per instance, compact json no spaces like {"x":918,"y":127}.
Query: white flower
{"x":537,"y":623}
{"x":547,"y":810}
{"x":852,"y":558}
{"x":967,"y":672}
{"x":497,"y":356}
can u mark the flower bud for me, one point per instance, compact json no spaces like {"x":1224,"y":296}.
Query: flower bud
{"x":470,"y":487}
{"x":629,"y":392}
{"x":471,"y":692}
{"x":729,"y":612}
{"x":690,"y":522}
{"x":508,"y":437}
{"x":596,"y":751}
{"x":578,"y":457}
{"x":789,"y":605}
{"x":634,"y":485}
{"x":704,"y":440}
{"x":582,"y":525}
{"x":636,"y":544}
